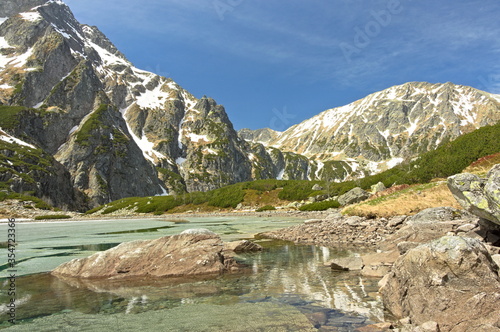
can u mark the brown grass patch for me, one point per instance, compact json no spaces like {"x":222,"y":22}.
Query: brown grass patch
{"x":483,"y":165}
{"x":406,"y":201}
{"x":258,"y":198}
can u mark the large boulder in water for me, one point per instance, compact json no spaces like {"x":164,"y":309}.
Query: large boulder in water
{"x":188,"y":254}
{"x":451,"y":281}
{"x":477,"y":195}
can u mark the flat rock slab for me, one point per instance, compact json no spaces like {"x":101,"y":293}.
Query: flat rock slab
{"x":188,"y":254}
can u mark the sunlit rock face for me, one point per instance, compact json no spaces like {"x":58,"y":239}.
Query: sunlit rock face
{"x":479,"y":196}
{"x":170,"y":256}
{"x":451,"y":281}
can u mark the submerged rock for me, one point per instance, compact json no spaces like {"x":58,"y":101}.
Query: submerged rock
{"x":451,"y":281}
{"x":242,"y":246}
{"x":195,"y":252}
{"x":479,"y":196}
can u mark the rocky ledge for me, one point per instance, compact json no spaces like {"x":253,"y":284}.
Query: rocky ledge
{"x":193,"y":252}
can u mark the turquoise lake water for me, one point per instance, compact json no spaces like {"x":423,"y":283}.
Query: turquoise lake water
{"x":287,"y":287}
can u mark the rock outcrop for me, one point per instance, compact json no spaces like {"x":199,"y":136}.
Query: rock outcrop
{"x":189,"y":254}
{"x":477,"y":195}
{"x":355,"y":195}
{"x":451,"y":281}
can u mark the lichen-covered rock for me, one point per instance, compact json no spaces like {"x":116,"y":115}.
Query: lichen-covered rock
{"x":477,"y":195}
{"x":451,"y":281}
{"x":355,"y":195}
{"x":188,"y":254}
{"x":378,"y":188}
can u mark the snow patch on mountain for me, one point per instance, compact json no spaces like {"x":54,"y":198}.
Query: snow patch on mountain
{"x":17,"y":61}
{"x":394,"y":162}
{"x":197,"y":138}
{"x":152,"y":98}
{"x":31,"y":16}
{"x":13,"y":140}
{"x":144,"y":144}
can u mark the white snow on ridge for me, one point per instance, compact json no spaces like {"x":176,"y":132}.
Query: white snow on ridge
{"x":11,"y":139}
{"x":3,"y":19}
{"x":62,"y":32}
{"x":281,"y":174}
{"x":4,"y":43}
{"x":172,"y":86}
{"x":180,"y":160}
{"x":31,"y":16}
{"x":464,"y":109}
{"x":164,"y":191}
{"x":5,"y":86}
{"x":106,"y":56}
{"x":320,"y":167}
{"x":16,"y":61}
{"x":197,"y":138}
{"x":393,"y":162}
{"x":413,"y":126}
{"x":152,"y":98}
{"x":144,"y":144}
{"x":209,"y":151}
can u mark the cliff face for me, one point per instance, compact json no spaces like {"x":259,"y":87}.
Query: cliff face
{"x":114,"y":130}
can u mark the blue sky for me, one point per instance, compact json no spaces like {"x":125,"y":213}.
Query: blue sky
{"x":277,"y":63}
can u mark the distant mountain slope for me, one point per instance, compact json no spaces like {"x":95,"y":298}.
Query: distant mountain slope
{"x":265,"y":136}
{"x":393,"y":125}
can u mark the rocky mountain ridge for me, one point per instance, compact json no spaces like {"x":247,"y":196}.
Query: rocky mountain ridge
{"x":390,"y":126}
{"x":117,"y":131}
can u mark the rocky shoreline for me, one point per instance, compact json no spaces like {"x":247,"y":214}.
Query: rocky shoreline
{"x":440,"y":267}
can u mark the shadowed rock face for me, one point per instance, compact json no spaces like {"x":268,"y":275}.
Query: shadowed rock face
{"x":188,"y":254}
{"x":477,"y":195}
{"x":451,"y":281}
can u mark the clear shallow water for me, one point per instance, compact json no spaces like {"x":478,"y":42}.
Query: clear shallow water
{"x":286,"y":279}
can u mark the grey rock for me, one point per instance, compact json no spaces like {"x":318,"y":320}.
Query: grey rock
{"x":355,"y":195}
{"x":317,"y":187}
{"x":378,"y":188}
{"x":479,"y":196}
{"x":353,"y":263}
{"x":198,"y":231}
{"x":187,"y":254}
{"x":451,"y":281}
{"x":438,"y":214}
{"x":404,"y":246}
{"x":396,"y":221}
{"x":313,"y":221}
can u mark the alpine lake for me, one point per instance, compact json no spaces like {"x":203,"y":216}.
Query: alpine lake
{"x":286,"y":287}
